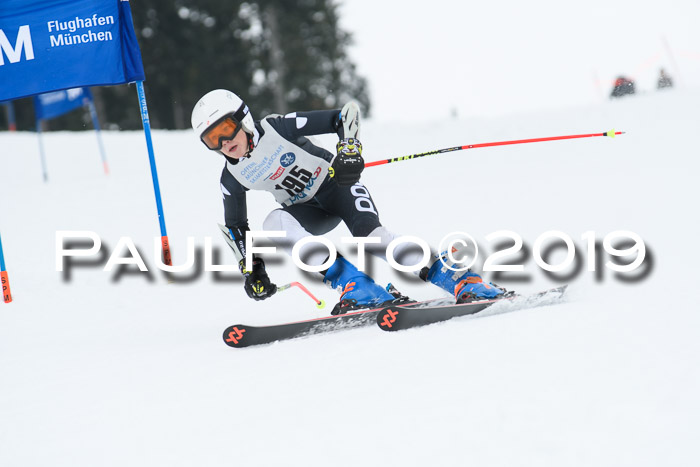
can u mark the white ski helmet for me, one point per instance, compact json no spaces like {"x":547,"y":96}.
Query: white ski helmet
{"x":218,"y":104}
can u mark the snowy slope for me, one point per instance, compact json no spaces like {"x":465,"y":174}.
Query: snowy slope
{"x":121,"y":370}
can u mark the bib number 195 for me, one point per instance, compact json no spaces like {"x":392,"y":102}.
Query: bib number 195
{"x":295,"y":182}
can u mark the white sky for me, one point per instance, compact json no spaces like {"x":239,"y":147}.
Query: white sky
{"x":485,"y":58}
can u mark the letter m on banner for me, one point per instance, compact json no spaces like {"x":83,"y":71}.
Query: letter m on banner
{"x":14,"y":52}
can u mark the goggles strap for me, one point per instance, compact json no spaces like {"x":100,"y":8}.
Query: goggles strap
{"x":240,"y":114}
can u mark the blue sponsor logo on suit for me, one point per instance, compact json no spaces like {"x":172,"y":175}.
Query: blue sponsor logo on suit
{"x":287,"y":159}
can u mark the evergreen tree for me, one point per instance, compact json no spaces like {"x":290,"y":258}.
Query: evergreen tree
{"x":304,"y":65}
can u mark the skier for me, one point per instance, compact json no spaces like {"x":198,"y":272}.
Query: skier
{"x":664,"y":80}
{"x":622,"y":87}
{"x":316,"y":189}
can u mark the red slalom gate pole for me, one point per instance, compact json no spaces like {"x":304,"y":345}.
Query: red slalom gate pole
{"x":610,"y":133}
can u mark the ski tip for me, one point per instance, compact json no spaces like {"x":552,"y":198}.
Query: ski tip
{"x":234,"y":336}
{"x":386,"y":319}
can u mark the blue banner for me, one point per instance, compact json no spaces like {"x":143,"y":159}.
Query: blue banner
{"x":49,"y":45}
{"x":54,"y":104}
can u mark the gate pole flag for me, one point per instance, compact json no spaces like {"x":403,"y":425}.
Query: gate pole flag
{"x":54,"y":104}
{"x":49,"y":45}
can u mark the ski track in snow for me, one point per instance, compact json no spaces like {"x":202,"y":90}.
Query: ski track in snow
{"x":114,"y":370}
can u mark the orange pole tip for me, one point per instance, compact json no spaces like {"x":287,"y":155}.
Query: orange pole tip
{"x":5,"y":281}
{"x":167,"y":259}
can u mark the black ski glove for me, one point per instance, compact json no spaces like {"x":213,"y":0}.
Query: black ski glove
{"x":257,"y":283}
{"x":348,"y":164}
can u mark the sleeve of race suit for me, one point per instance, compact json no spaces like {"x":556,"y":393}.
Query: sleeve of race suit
{"x":315,"y":122}
{"x":235,"y":212}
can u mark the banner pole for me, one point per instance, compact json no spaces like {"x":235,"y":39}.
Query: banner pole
{"x":42,"y":156}
{"x":96,"y":125}
{"x":167,"y":260}
{"x":4,"y":280}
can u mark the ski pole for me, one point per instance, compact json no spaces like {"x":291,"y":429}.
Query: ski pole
{"x":319,"y":303}
{"x":610,"y":133}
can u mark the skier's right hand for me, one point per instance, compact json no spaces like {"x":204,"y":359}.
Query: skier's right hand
{"x":257,"y":283}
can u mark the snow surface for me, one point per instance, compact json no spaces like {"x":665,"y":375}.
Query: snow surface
{"x":114,"y":370}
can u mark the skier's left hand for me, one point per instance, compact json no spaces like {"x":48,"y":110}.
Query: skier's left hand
{"x":257,"y":283}
{"x":348,"y":164}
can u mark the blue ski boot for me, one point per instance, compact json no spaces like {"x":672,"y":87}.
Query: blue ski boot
{"x":357,"y":289}
{"x":467,"y":286}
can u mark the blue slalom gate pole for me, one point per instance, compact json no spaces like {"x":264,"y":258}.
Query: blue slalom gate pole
{"x":42,"y":155}
{"x":4,"y":280}
{"x":96,"y":125}
{"x":154,"y":173}
{"x":11,"y":122}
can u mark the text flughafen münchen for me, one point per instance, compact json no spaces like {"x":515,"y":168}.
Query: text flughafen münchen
{"x":79,"y":30}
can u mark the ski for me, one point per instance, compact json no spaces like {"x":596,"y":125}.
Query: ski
{"x":243,"y":335}
{"x":394,"y":318}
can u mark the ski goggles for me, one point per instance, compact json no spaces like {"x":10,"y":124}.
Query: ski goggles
{"x":224,"y":129}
